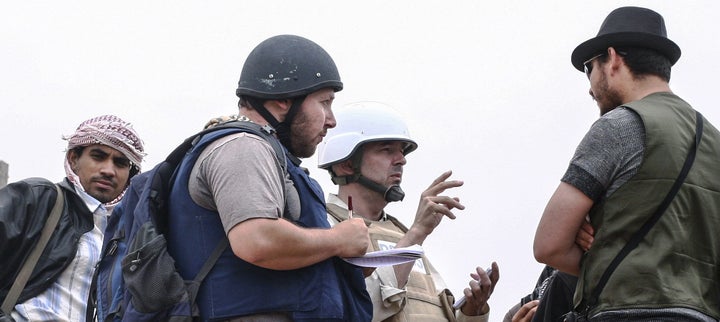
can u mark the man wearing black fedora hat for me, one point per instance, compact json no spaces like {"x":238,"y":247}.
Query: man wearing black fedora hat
{"x":629,"y":178}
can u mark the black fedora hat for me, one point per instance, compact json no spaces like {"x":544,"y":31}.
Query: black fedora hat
{"x":628,"y":27}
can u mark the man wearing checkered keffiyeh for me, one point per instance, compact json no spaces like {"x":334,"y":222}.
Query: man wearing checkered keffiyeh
{"x":113,"y":132}
{"x":102,"y":155}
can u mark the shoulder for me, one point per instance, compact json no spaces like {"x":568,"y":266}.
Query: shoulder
{"x":29,"y":187}
{"x":239,"y":142}
{"x":238,"y":155}
{"x":21,"y":200}
{"x":616,"y":128}
{"x":34,"y":182}
{"x":238,"y":148}
{"x":244,"y":139}
{"x":621,"y":117}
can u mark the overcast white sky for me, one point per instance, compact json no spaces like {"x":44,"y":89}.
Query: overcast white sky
{"x":487,"y":89}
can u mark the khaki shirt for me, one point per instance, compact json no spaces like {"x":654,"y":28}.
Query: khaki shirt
{"x":425,"y":296}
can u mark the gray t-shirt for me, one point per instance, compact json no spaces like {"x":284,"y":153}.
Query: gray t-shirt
{"x":609,"y":154}
{"x":239,"y":177}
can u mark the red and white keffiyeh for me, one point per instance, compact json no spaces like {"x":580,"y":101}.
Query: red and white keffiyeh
{"x":107,"y":130}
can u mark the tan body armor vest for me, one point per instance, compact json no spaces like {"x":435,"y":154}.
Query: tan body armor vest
{"x":425,"y":303}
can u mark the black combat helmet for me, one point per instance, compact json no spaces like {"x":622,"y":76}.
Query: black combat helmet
{"x":287,"y":66}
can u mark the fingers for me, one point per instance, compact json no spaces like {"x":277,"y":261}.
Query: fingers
{"x":445,"y":205}
{"x":495,"y":274}
{"x":439,"y":185}
{"x":448,"y":202}
{"x":585,"y":236}
{"x":480,"y":289}
{"x":355,"y":235}
{"x":434,"y":208}
{"x":431,"y":204}
{"x":476,"y":296}
{"x":526,"y":312}
{"x":441,"y":178}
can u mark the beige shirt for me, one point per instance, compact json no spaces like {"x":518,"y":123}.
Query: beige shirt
{"x":389,"y":300}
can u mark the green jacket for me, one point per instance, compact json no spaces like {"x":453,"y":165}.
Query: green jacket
{"x":676,"y":265}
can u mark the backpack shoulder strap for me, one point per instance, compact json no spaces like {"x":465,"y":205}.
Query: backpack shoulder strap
{"x":266,"y":132}
{"x":31,"y":261}
{"x":163,"y":179}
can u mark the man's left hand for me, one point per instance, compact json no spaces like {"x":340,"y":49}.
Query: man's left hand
{"x":481,"y":287}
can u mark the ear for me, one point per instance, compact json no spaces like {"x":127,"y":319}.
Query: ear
{"x":615,"y":59}
{"x":278,"y":108}
{"x":344,"y":168}
{"x":72,"y":158}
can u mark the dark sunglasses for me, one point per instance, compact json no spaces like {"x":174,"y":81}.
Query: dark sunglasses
{"x":588,"y":64}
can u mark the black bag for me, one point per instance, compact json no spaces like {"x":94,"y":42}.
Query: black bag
{"x":556,"y":298}
{"x":573,"y":316}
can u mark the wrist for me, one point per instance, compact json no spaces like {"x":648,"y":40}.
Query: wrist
{"x":414,"y":236}
{"x":484,"y":310}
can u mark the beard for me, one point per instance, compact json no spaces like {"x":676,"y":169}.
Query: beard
{"x":607,"y":98}
{"x":303,"y":137}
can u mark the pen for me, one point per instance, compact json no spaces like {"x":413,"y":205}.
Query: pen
{"x":350,"y":207}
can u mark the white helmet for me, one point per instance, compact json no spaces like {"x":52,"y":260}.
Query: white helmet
{"x":359,"y":123}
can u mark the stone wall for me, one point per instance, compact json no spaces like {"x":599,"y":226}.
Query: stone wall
{"x":3,"y":173}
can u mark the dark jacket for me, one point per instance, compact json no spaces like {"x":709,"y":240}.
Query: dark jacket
{"x":24,"y":207}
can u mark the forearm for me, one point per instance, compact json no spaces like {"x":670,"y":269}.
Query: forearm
{"x":557,"y":250}
{"x":567,"y":261}
{"x":402,"y":271}
{"x":279,"y":244}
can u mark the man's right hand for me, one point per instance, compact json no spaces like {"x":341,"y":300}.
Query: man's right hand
{"x":526,"y":312}
{"x":585,"y":236}
{"x":354,"y":237}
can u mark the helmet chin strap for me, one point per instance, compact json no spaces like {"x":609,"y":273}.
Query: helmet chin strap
{"x":282,"y":128}
{"x":391,"y":193}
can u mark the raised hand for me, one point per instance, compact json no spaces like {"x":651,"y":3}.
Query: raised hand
{"x":433,"y":206}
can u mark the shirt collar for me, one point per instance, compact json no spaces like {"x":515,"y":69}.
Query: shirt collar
{"x":334,"y":199}
{"x":92,"y":203}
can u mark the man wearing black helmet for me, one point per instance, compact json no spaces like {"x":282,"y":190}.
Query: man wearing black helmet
{"x":283,"y":262}
{"x":646,"y":177}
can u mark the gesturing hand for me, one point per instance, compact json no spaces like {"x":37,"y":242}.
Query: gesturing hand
{"x":434,"y":206}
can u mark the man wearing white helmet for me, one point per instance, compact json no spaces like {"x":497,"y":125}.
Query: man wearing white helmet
{"x":365,"y":155}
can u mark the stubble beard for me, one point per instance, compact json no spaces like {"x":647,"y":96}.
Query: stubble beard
{"x":302,"y":138}
{"x":607,"y":98}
